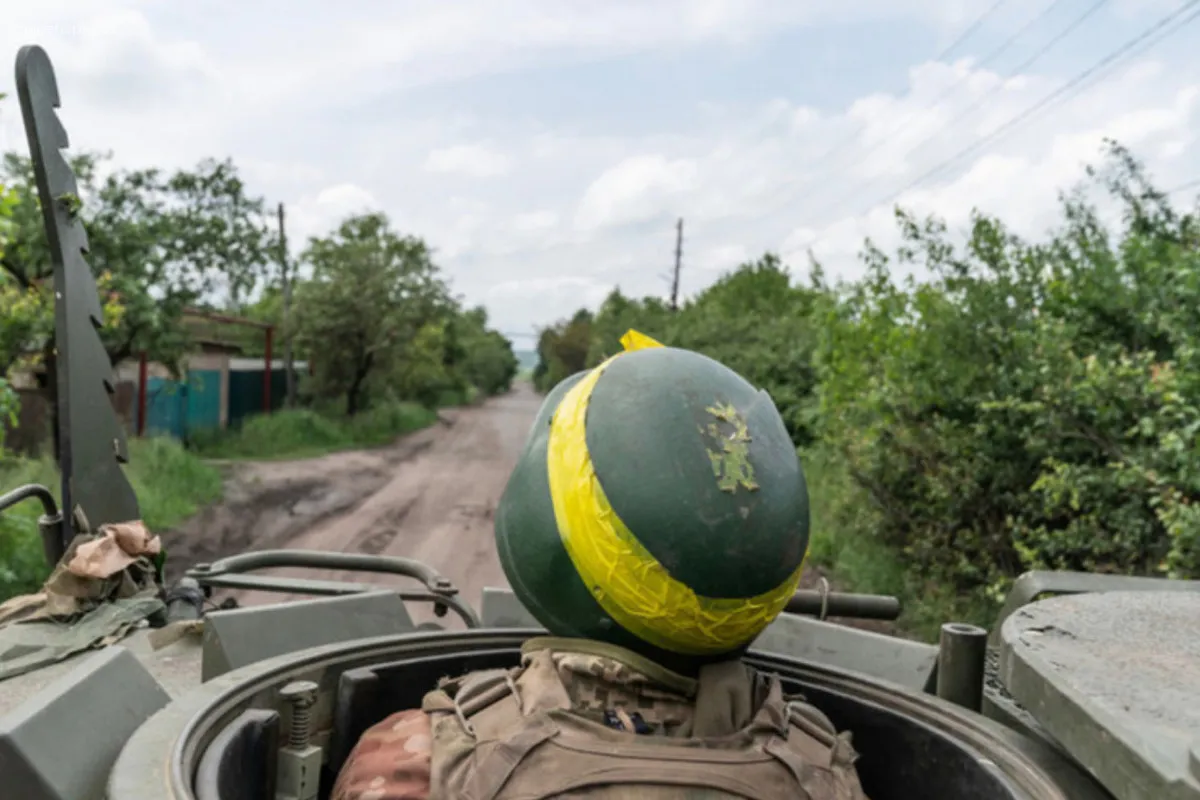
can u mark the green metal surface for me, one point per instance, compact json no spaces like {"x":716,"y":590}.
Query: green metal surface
{"x":235,"y":638}
{"x":886,"y":658}
{"x":246,"y":393}
{"x":91,"y":439}
{"x":61,"y":742}
{"x":1035,"y":583}
{"x":1115,"y":678}
{"x":162,"y":755}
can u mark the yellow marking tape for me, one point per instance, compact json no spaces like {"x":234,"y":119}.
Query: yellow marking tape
{"x":624,"y":578}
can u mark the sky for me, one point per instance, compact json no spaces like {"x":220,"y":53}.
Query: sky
{"x":545,"y":148}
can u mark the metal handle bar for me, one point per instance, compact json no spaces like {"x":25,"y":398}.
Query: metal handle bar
{"x":22,"y":493}
{"x":271,"y":583}
{"x":318,"y":559}
{"x":50,"y":526}
{"x":841,"y":604}
{"x":229,"y":572}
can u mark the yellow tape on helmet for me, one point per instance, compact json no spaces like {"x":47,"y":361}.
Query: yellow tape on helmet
{"x":623,"y":576}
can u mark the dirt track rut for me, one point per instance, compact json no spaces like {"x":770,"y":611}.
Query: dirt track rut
{"x":432,"y":497}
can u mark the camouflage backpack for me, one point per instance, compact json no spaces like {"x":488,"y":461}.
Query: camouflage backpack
{"x":585,"y":719}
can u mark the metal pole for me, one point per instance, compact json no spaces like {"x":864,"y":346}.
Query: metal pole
{"x":962,"y":655}
{"x":286,"y":279}
{"x":678,"y":264}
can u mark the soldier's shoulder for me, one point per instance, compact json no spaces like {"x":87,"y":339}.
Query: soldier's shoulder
{"x":390,"y":762}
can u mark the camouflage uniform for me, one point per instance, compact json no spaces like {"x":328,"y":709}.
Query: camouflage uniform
{"x":390,"y":761}
{"x":596,"y":693}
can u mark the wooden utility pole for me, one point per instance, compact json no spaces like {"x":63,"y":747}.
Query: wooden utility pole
{"x":678,"y":265}
{"x":285,"y":279}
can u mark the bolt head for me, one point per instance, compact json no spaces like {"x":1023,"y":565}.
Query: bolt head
{"x":299,"y":692}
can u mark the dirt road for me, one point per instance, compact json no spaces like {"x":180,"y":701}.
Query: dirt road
{"x":431,"y":497}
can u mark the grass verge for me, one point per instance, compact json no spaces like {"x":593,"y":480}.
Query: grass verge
{"x":171,"y":485}
{"x":304,"y":433}
{"x":842,"y":543}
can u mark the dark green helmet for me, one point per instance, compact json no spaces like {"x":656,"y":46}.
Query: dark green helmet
{"x":659,"y":505}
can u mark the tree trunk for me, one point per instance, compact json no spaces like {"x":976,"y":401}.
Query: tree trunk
{"x":355,"y":392}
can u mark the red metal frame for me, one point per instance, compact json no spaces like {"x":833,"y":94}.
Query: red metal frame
{"x":143,"y":372}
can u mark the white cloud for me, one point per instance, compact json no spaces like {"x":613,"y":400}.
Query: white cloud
{"x":534,"y":221}
{"x":316,"y":214}
{"x":472,"y":160}
{"x":636,"y":189}
{"x":335,"y":117}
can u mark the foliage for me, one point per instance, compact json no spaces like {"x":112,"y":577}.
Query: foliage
{"x":372,"y":292}
{"x":15,"y":316}
{"x":1032,"y":405}
{"x":482,"y":356}
{"x":563,"y":349}
{"x":377,"y":318}
{"x":1023,"y":405}
{"x":171,"y":484}
{"x":303,"y":433}
{"x":752,"y":319}
{"x":160,"y":242}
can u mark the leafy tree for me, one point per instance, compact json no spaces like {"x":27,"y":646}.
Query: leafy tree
{"x":157,"y":244}
{"x":618,"y":314}
{"x":752,"y":319}
{"x":1031,"y":406}
{"x":563,"y":350}
{"x":483,"y":357}
{"x":163,"y":241}
{"x":755,"y":321}
{"x":15,"y":316}
{"x":372,"y":293}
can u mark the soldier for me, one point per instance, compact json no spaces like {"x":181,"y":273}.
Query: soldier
{"x":655,"y":524}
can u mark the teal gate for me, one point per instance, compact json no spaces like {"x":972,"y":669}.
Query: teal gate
{"x":246,"y":393}
{"x":203,"y":400}
{"x":166,"y":401}
{"x":173,"y":408}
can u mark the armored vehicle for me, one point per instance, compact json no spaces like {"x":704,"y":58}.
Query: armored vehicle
{"x":114,"y":685}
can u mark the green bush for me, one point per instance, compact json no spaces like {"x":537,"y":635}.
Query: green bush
{"x":380,"y":426}
{"x":171,"y":483}
{"x":1032,"y":405}
{"x":1026,"y":405}
{"x":294,"y":433}
{"x":753,"y":320}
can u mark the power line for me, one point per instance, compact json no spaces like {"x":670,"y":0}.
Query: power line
{"x":963,"y":79}
{"x":1019,"y":69}
{"x":970,"y":29}
{"x":1007,"y":43}
{"x":1063,"y":92}
{"x":1183,"y":187}
{"x":962,"y":37}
